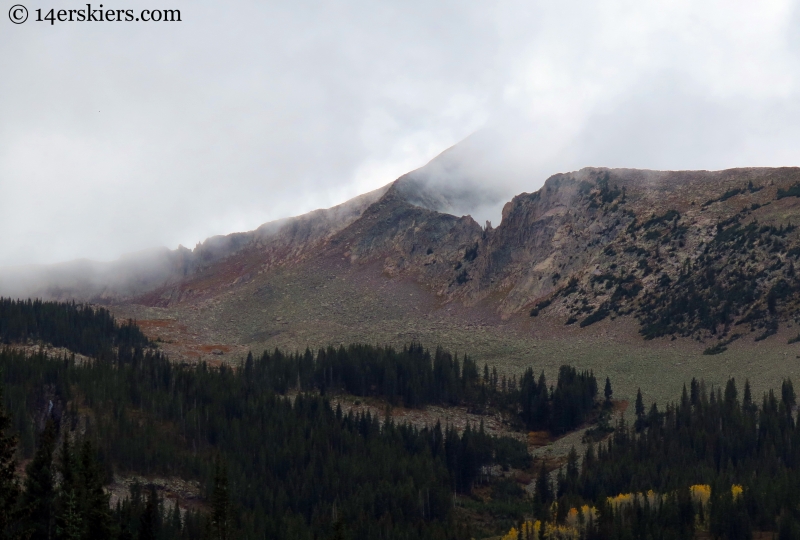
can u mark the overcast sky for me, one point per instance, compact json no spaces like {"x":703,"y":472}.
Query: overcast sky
{"x":116,"y":137}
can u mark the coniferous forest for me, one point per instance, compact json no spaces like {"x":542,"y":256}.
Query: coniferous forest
{"x":713,"y":463}
{"x":81,"y":329}
{"x":275,"y":458}
{"x":413,"y":377}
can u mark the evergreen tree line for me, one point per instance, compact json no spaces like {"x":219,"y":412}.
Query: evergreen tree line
{"x":411,"y":377}
{"x":79,"y":328}
{"x":560,"y":409}
{"x":414,"y":377}
{"x":62,"y":496}
{"x":270,"y":466}
{"x":710,"y":437}
{"x":294,"y":468}
{"x":144,"y":514}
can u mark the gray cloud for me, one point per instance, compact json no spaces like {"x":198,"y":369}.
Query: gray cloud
{"x":117,"y":137}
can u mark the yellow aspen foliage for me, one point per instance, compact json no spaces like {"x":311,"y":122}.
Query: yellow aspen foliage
{"x":561,"y":532}
{"x":589,"y":513}
{"x":572,"y":517}
{"x":530,"y":530}
{"x":513,"y":534}
{"x":700,"y":494}
{"x":623,"y":499}
{"x":578,"y":518}
{"x":653,"y":497}
{"x":575,"y":524}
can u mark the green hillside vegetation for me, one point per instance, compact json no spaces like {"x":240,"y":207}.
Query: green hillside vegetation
{"x":414,"y":377}
{"x":743,"y":276}
{"x":273,"y":466}
{"x":294,"y":468}
{"x":709,"y":439}
{"x":79,"y":328}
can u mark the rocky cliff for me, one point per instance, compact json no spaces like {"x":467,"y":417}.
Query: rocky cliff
{"x":706,"y":255}
{"x":685,"y":253}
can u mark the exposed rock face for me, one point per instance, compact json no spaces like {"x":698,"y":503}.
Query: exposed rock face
{"x":692,"y":253}
{"x":689,"y":253}
{"x":137,"y":274}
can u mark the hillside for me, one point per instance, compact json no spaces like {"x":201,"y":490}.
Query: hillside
{"x":135,"y":274}
{"x":616,"y":269}
{"x":132,"y":445}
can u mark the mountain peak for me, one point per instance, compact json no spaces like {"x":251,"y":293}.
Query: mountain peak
{"x":677,"y":253}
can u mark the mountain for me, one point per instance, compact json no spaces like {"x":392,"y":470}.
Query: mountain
{"x":138,"y":273}
{"x":686,"y":253}
{"x":616,"y":268}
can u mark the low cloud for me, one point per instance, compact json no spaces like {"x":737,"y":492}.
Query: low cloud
{"x":120,"y":137}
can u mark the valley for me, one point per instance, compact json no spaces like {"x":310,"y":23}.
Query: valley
{"x":650,"y":268}
{"x":655,"y":280}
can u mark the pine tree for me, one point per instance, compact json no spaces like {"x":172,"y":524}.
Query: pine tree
{"x":653,"y":417}
{"x":639,"y":409}
{"x":248,"y":366}
{"x":148,"y":528}
{"x":39,"y":489}
{"x":747,"y":401}
{"x":543,"y":492}
{"x":175,"y":523}
{"x":788,"y":398}
{"x":608,"y":392}
{"x":695,"y":391}
{"x":730,"y":393}
{"x":9,"y":486}
{"x":67,"y":466}
{"x":541,"y":408}
{"x":69,"y":521}
{"x":573,"y":470}
{"x":220,"y":502}
{"x":96,"y":515}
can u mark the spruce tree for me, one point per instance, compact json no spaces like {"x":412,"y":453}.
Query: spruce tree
{"x":747,"y":401}
{"x":9,"y":486}
{"x":543,"y":492}
{"x":97,"y":514}
{"x":639,"y":409}
{"x":148,"y":522}
{"x":608,"y":392}
{"x":67,"y":466}
{"x":39,"y":489}
{"x":68,"y":515}
{"x":573,"y":471}
{"x":730,"y":393}
{"x":69,"y":523}
{"x":788,"y":398}
{"x":220,"y":501}
{"x":175,"y":524}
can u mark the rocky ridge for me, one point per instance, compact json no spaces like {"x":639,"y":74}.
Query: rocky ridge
{"x":615,"y":255}
{"x":685,"y":253}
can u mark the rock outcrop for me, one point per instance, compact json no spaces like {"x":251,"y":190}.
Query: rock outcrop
{"x":684,"y":253}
